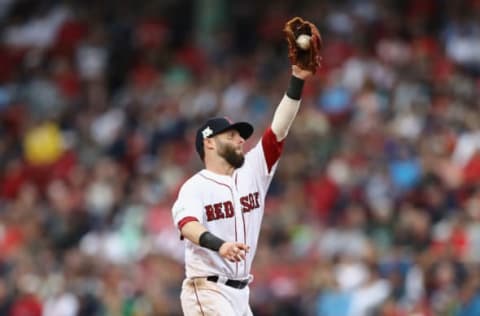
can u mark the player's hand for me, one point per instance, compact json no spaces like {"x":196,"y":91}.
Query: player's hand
{"x":301,"y":73}
{"x":233,"y":251}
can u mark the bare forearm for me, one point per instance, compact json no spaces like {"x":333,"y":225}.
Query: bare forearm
{"x":198,"y":234}
{"x":284,"y":116}
{"x":288,"y":107}
{"x":192,"y":231}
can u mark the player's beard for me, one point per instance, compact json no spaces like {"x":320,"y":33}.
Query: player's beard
{"x":228,"y":152}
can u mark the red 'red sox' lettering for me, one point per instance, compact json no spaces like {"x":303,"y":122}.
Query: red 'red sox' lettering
{"x":226,"y":210}
{"x":249,"y":202}
{"x":219,"y":210}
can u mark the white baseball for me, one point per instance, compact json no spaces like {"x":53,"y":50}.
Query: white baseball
{"x":303,"y":41}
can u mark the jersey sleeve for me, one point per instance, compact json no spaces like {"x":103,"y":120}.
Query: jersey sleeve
{"x":272,"y":149}
{"x":187,"y":207}
{"x":264,"y":156}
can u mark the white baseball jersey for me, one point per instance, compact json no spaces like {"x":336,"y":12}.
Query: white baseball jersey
{"x":230,"y":207}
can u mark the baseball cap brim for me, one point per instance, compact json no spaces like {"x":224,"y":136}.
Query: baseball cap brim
{"x":244,"y":129}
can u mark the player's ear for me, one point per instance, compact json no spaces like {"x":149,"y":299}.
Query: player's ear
{"x":209,"y":143}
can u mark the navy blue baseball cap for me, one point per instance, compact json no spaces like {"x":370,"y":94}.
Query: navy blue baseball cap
{"x":218,"y":125}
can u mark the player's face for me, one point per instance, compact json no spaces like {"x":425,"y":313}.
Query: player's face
{"x":230,"y":147}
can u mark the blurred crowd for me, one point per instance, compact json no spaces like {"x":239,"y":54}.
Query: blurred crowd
{"x":375,"y":207}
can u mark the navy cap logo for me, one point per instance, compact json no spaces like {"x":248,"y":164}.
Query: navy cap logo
{"x":207,"y":131}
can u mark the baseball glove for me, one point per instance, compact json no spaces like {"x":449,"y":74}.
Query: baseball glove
{"x":309,"y":58}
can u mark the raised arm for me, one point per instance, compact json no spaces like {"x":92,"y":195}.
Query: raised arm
{"x":304,"y":43}
{"x":288,"y":107}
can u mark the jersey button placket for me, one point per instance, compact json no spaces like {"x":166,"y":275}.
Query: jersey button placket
{"x":240,"y":225}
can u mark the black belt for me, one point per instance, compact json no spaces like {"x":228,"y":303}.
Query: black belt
{"x":238,"y":284}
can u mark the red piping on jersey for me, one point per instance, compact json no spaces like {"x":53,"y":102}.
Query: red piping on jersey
{"x":236,"y":263}
{"x":217,"y":182}
{"x":196,"y":295}
{"x":245,"y":241}
{"x":244,"y":229}
{"x":186,"y":220}
{"x":235,"y":217}
{"x":271,"y":148}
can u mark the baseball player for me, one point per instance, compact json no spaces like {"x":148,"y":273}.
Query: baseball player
{"x":219,"y":210}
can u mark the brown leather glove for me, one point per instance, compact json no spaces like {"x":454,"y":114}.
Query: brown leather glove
{"x":307,"y":59}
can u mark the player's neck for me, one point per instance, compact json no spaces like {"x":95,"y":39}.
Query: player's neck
{"x":219,"y":166}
